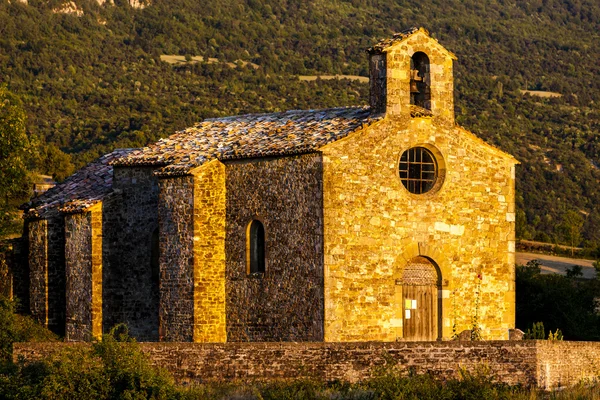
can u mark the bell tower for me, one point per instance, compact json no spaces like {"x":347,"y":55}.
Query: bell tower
{"x":411,"y":76}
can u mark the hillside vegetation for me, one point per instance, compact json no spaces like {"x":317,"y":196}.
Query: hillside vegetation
{"x":94,"y":82}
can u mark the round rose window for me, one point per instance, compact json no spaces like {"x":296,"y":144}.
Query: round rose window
{"x":418,"y":170}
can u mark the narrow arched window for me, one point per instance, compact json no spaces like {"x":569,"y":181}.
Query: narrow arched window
{"x":420,"y":94}
{"x":256,"y":247}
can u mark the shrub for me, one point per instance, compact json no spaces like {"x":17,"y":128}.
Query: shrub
{"x":114,"y":368}
{"x":537,"y":332}
{"x":18,"y":328}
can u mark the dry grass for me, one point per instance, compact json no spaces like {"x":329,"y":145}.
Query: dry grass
{"x":326,"y":77}
{"x":175,"y":59}
{"x":541,"y":93}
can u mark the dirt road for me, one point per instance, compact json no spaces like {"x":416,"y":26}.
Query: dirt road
{"x":557,"y":265}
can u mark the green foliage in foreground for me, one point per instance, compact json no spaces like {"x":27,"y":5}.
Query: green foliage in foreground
{"x":118,"y":370}
{"x":561,"y":302}
{"x":17,"y":328}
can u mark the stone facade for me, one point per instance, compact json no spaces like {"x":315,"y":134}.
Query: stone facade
{"x":545,"y":364}
{"x":374,"y":226}
{"x":159,"y":238}
{"x":466,"y":228}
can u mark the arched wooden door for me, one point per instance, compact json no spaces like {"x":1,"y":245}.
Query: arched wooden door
{"x":420,"y":300}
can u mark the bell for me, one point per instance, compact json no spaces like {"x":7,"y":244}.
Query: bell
{"x":413,"y":87}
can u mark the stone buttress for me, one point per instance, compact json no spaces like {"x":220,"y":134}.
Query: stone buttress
{"x":47,"y":272}
{"x":83,"y":267}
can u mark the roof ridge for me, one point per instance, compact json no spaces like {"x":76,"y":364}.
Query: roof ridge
{"x":294,"y":111}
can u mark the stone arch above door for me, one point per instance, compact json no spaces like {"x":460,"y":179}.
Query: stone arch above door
{"x":439,"y":259}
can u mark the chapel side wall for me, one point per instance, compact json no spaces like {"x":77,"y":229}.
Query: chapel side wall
{"x":83,"y":254}
{"x":38,"y":267}
{"x":176,"y":258}
{"x":130,"y":288}
{"x":56,"y":275}
{"x":374,"y":226}
{"x":286,"y":302}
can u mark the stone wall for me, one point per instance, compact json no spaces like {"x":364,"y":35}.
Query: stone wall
{"x":83,"y":254}
{"x":176,"y":233}
{"x":56,"y":275}
{"x":562,"y":363}
{"x":542,"y":363}
{"x":286,"y":302}
{"x":130,"y":286}
{"x":38,"y":266}
{"x":47,"y":272}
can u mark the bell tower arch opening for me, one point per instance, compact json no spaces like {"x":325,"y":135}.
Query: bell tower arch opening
{"x":420,"y":90}
{"x":421,"y":305}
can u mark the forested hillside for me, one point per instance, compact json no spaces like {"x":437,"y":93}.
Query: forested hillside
{"x":95,"y":81}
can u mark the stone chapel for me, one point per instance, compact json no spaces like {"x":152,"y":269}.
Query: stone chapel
{"x":378,"y":223}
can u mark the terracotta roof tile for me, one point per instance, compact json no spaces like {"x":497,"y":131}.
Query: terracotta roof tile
{"x":249,"y":136}
{"x":81,"y":190}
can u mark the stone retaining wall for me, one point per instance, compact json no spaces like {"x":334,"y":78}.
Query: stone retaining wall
{"x":542,"y":363}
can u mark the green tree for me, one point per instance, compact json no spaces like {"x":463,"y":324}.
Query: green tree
{"x":54,"y":162}
{"x":14,"y":147}
{"x":571,"y":227}
{"x":15,"y":181}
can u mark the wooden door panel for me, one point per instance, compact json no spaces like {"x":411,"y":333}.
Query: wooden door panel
{"x":420,"y":312}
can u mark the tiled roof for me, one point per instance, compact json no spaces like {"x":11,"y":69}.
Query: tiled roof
{"x":398,"y":37}
{"x":79,"y":191}
{"x":384,"y":44}
{"x":249,"y":136}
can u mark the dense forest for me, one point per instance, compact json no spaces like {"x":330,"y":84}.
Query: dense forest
{"x":93,"y":81}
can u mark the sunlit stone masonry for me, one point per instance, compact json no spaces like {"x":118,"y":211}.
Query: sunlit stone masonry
{"x":384,"y":222}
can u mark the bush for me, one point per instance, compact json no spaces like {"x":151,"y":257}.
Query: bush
{"x":537,"y":332}
{"x":114,"y":368}
{"x":18,"y":328}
